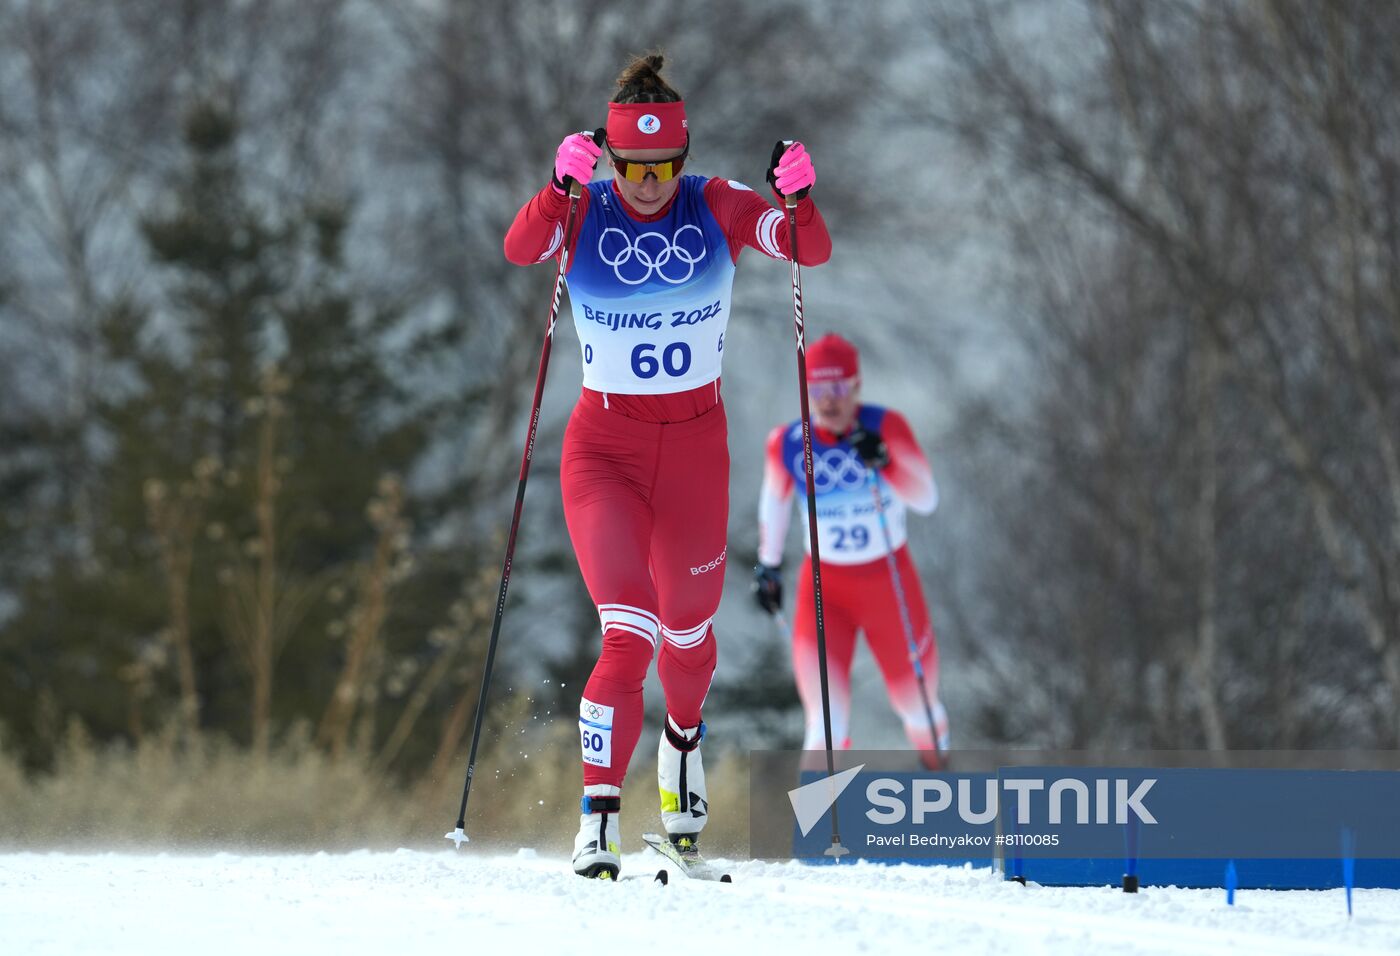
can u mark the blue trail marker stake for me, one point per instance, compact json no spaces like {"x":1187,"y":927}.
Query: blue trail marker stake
{"x":1348,"y":863}
{"x":1232,"y":881}
{"x":1130,"y":854}
{"x":1018,"y":872}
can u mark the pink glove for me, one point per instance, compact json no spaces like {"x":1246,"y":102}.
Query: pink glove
{"x":791,"y":170}
{"x":574,"y":161}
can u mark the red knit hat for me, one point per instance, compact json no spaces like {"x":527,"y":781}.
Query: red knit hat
{"x":832,"y":357}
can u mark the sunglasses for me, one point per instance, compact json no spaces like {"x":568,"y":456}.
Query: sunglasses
{"x":841,"y":388}
{"x":635,"y":171}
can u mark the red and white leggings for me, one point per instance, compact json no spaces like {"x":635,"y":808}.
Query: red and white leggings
{"x":647,"y":507}
{"x":861,"y":597}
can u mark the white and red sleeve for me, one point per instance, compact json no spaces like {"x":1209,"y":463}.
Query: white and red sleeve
{"x":774,"y":501}
{"x":908,"y":472}
{"x":537,"y":233}
{"x":749,"y":220}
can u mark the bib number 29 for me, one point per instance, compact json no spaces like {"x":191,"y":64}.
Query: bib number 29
{"x":851,"y":539}
{"x":674,"y":360}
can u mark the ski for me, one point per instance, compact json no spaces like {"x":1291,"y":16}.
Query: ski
{"x":691,"y":863}
{"x":607,"y":876}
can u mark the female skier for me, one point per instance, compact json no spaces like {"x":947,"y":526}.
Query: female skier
{"x":645,"y":466}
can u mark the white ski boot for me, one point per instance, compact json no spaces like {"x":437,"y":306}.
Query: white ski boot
{"x":680,"y":776}
{"x":597,"y":853}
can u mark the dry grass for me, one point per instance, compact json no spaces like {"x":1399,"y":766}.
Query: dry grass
{"x":180,"y":794}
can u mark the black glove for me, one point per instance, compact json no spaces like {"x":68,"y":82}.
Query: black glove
{"x":768,"y":587}
{"x":870,"y":447}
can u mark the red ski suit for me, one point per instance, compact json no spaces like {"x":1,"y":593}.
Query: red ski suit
{"x":858,"y":592}
{"x":645,"y":467}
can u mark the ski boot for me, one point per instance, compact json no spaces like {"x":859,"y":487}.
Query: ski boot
{"x":597,"y":853}
{"x":680,"y":776}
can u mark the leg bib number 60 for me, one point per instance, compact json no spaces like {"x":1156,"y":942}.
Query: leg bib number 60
{"x":597,"y":747}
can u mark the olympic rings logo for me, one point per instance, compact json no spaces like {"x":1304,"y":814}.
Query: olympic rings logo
{"x":652,"y":253}
{"x":833,"y":470}
{"x":593,"y":710}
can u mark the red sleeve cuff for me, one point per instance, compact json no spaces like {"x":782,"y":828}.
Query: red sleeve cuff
{"x":552,"y":201}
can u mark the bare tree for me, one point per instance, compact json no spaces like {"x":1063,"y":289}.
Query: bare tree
{"x":1243,"y":153}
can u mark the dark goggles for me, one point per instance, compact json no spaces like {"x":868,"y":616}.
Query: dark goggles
{"x":635,"y":171}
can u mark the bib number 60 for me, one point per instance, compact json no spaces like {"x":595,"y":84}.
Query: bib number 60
{"x":674,"y":360}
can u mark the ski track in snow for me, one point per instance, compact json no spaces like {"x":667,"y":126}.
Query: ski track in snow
{"x":417,"y":901}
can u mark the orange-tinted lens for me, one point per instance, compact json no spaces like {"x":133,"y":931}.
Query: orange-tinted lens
{"x":662,"y":169}
{"x":637,"y":172}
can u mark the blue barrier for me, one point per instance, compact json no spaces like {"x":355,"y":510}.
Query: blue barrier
{"x":1283,"y":829}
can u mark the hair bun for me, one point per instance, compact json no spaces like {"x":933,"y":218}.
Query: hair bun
{"x":641,"y":81}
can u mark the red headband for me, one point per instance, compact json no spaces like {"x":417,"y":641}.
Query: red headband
{"x":647,"y":125}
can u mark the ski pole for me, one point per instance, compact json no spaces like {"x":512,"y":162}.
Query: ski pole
{"x":790,"y":202}
{"x":459,"y":836}
{"x":904,"y":617}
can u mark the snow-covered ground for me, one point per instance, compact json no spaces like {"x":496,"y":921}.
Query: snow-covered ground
{"x":473,"y":902}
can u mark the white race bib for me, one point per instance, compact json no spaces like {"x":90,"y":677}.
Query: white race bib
{"x":595,"y":726}
{"x":848,"y":523}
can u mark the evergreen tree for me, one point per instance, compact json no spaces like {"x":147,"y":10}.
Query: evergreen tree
{"x":255,"y":422}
